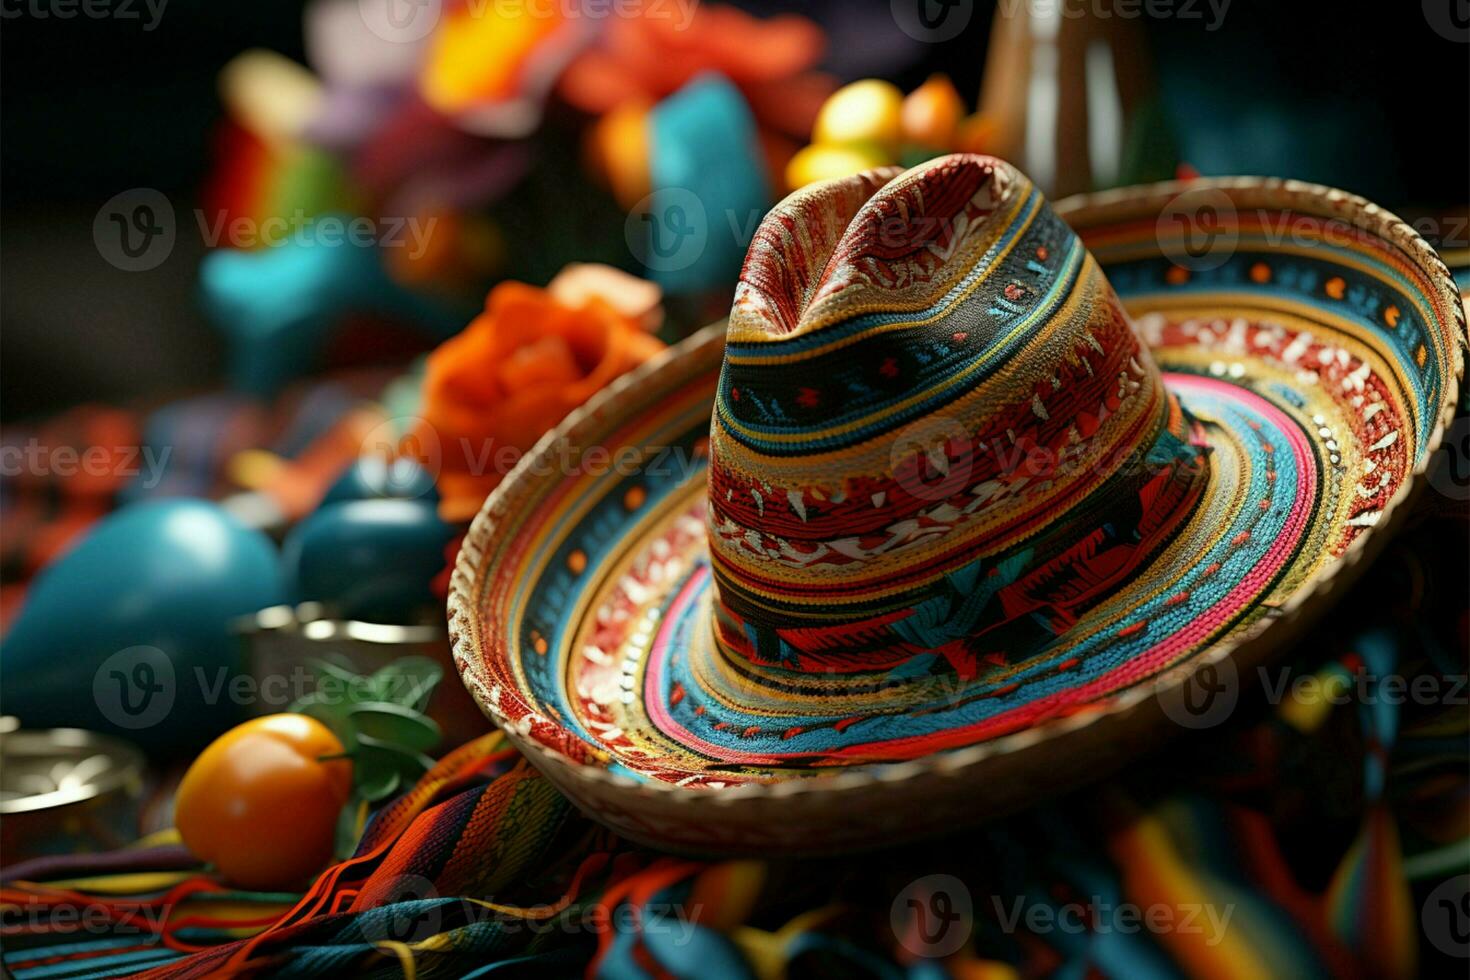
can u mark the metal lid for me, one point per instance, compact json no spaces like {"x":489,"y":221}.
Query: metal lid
{"x":315,"y":621}
{"x":56,"y":767}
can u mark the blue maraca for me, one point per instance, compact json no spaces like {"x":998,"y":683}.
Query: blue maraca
{"x":369,"y":559}
{"x":129,"y":631}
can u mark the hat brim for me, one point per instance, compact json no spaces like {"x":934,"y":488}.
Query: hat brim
{"x":581,"y":604}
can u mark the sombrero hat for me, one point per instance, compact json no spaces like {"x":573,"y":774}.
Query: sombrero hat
{"x":963,"y":495}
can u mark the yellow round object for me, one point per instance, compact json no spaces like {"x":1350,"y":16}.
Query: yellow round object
{"x":823,"y":162}
{"x":254,"y":469}
{"x":869,"y":111}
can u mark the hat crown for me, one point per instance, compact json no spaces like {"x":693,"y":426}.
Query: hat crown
{"x":936,"y":430}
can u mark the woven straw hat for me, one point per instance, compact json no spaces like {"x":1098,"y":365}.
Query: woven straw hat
{"x":950,"y":512}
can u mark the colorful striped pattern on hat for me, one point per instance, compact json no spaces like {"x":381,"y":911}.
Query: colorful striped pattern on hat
{"x":928,"y":384}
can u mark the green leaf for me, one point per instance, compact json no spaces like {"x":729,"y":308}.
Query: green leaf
{"x":393,"y":723}
{"x":379,"y":755}
{"x":379,"y":720}
{"x":409,"y":681}
{"x":378,"y":779}
{"x":350,"y":823}
{"x":338,"y":682}
{"x":410,"y":762}
{"x":335,"y":668}
{"x":333,"y":714}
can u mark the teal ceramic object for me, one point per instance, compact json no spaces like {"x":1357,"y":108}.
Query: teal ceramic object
{"x":374,"y":477}
{"x":368,"y":559}
{"x":277,"y":306}
{"x":129,"y":631}
{"x":710,"y":187}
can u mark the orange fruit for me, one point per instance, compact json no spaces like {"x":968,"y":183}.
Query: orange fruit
{"x":261,"y":802}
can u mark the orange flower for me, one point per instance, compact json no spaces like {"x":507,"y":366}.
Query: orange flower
{"x":516,"y":371}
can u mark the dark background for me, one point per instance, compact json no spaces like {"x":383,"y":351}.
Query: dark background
{"x":91,"y":107}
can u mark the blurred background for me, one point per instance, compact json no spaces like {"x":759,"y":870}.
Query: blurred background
{"x":1348,"y":94}
{"x":222,"y":428}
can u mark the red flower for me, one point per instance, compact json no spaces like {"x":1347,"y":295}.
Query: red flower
{"x":647,"y":58}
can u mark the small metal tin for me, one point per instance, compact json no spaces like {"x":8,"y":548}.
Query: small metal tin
{"x":280,"y":641}
{"x":65,"y":790}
